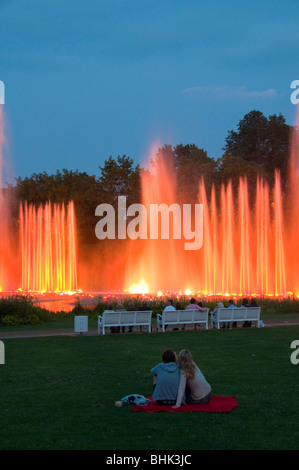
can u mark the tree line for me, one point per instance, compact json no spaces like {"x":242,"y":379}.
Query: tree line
{"x":257,"y":147}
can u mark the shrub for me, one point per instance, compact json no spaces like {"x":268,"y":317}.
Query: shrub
{"x":20,"y":310}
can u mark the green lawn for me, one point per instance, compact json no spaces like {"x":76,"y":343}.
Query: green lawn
{"x":50,"y":386}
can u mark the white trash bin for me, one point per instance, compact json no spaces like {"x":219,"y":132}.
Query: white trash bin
{"x":81,"y":323}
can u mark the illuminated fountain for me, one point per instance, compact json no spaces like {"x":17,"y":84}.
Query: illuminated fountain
{"x":243,"y":250}
{"x":48,"y":247}
{"x":156,"y":264}
{"x":250,"y":242}
{"x":293,"y":204}
{"x":41,"y":255}
{"x":250,"y":247}
{"x":8,"y":254}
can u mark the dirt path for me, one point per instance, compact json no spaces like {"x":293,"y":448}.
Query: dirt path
{"x":93,"y":331}
{"x":41,"y":333}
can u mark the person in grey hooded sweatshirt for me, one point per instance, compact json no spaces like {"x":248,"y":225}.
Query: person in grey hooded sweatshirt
{"x":166,"y":379}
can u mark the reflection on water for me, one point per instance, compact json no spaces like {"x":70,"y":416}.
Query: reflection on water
{"x":58,"y":306}
{"x":66,"y":303}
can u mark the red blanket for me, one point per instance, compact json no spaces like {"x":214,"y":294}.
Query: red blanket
{"x":217,"y":404}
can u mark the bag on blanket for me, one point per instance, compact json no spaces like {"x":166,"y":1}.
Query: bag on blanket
{"x":135,"y":399}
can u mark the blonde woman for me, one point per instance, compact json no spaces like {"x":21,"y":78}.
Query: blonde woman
{"x":192,"y":381}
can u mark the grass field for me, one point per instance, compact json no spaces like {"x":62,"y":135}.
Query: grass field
{"x":51,"y":389}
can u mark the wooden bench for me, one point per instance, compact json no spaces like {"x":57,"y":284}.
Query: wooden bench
{"x":227,"y":315}
{"x":183,"y":317}
{"x":121,"y":318}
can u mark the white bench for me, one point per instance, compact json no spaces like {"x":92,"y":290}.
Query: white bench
{"x":183,"y":317}
{"x":124,"y":318}
{"x":241,"y":314}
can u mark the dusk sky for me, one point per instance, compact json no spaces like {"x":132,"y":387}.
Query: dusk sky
{"x":86,"y":80}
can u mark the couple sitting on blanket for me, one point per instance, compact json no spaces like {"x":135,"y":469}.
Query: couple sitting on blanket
{"x":178,"y":380}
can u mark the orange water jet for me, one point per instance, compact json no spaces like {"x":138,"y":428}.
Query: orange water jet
{"x":8,"y":253}
{"x":246,"y":241}
{"x":250,"y":242}
{"x":48,"y":247}
{"x":293,"y":203}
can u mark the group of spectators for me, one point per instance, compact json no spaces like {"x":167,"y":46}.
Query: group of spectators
{"x":231,"y":304}
{"x":120,"y":307}
{"x":191,"y":306}
{"x":178,"y":380}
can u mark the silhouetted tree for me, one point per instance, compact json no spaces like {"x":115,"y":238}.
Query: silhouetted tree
{"x":263,"y":141}
{"x":119,"y":178}
{"x":188,"y":164}
{"x":64,"y":186}
{"x":192,"y":164}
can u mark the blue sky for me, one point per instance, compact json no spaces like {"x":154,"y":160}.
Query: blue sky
{"x":86,"y":80}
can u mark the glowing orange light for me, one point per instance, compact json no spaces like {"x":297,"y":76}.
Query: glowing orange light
{"x":246,"y":249}
{"x":250,"y":241}
{"x":48,"y":248}
{"x":140,"y":287}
